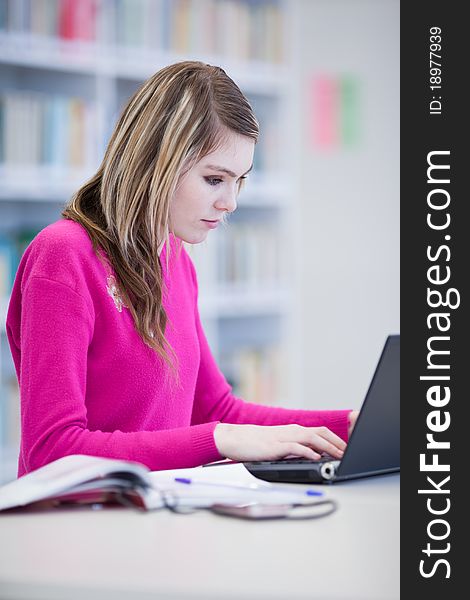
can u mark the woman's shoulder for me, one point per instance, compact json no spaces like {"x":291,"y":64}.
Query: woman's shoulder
{"x":63,"y":239}
{"x":63,"y":233}
{"x":62,"y":251}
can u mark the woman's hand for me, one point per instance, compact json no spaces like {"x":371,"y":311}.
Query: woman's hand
{"x":257,"y":442}
{"x":352,"y":418}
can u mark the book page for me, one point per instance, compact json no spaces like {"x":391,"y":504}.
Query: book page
{"x":64,"y":475}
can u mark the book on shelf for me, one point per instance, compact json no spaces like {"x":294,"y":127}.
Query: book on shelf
{"x":12,"y":247}
{"x":46,"y":129}
{"x":76,"y":19}
{"x":242,"y":29}
{"x":243,"y":255}
{"x":79,"y":480}
{"x":10,"y":426}
{"x":255,"y":374}
{"x":8,"y":262}
{"x":65,"y":19}
{"x":56,"y":130}
{"x":248,"y":254}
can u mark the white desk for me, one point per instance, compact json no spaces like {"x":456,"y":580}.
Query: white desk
{"x":121,"y":554}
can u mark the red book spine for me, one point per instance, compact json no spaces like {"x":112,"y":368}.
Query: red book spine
{"x":66,"y":25}
{"x":77,"y":19}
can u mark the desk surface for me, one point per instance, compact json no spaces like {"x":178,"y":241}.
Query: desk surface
{"x":123,"y":554}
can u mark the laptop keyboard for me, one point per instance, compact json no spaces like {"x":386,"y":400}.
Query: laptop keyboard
{"x":295,"y":461}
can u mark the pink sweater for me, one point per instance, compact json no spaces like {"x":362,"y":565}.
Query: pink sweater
{"x":90,"y":385}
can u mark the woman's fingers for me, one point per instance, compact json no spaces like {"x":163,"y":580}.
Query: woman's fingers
{"x":298,"y":449}
{"x":323,"y":440}
{"x":257,"y":442}
{"x":328,"y":448}
{"x":332,"y":438}
{"x":330,"y":442}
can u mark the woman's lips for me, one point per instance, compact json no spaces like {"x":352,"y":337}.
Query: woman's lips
{"x":210,"y":224}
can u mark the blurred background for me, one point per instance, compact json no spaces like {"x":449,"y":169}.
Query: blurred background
{"x":300,"y":290}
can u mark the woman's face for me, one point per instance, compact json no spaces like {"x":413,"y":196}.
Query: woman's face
{"x":209,"y":190}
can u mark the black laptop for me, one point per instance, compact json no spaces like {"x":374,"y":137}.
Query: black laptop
{"x":374,"y":447}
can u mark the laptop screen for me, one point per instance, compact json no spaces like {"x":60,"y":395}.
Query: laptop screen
{"x":375,"y":441}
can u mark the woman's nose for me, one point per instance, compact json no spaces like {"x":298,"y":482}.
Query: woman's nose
{"x":228,"y":201}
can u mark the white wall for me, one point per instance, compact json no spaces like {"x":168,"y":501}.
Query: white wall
{"x":348,"y":202}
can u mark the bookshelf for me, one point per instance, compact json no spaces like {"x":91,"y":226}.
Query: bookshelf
{"x":67,"y":67}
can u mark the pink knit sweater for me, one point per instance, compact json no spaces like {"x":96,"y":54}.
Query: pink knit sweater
{"x":90,"y":385}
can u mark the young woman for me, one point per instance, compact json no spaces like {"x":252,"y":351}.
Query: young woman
{"x":103,"y":322}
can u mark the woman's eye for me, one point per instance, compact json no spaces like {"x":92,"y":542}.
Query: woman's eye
{"x":213,"y":180}
{"x":217,"y":180}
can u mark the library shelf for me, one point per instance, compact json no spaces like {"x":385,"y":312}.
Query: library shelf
{"x":103,"y":74}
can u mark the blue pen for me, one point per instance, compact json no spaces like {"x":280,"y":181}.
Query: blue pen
{"x":252,"y":487}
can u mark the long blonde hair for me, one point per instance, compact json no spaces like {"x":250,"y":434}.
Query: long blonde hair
{"x":178,"y":116}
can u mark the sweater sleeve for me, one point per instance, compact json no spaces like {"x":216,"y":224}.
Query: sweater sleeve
{"x":214,"y":401}
{"x":56,"y":331}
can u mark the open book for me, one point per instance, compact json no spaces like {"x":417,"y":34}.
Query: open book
{"x":79,"y":479}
